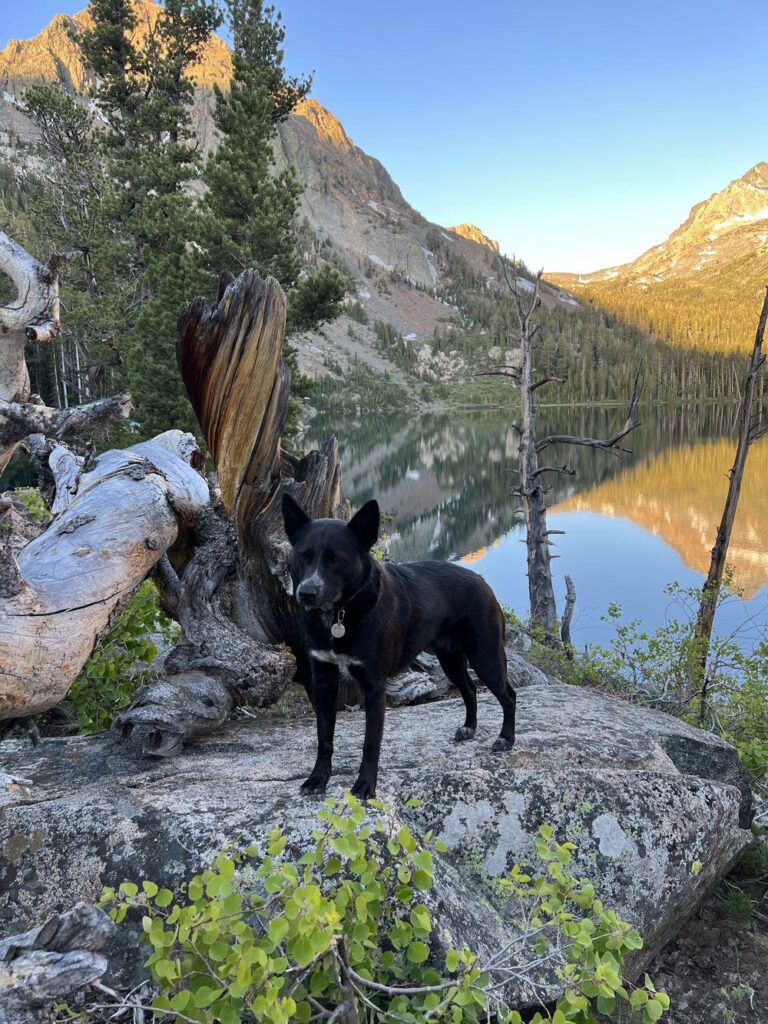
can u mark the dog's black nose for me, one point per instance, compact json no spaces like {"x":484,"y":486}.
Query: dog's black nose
{"x":307,"y":594}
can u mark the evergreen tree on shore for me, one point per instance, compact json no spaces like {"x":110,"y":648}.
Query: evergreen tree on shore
{"x":144,"y":96}
{"x":252,"y":211}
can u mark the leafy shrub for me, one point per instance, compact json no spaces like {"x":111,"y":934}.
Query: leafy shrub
{"x":120,"y":661}
{"x":32,"y":501}
{"x":264,"y":935}
{"x":661,"y":667}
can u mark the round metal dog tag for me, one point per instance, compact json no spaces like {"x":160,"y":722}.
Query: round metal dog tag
{"x":338,"y":630}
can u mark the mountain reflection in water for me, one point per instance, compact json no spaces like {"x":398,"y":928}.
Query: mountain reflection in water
{"x":632,"y":525}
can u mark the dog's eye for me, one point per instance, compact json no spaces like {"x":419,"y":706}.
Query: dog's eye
{"x":331,"y":558}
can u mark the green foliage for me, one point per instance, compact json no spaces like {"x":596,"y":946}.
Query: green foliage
{"x":124,"y":193}
{"x":316,"y":299}
{"x":120,"y":661}
{"x":252,"y":210}
{"x":356,"y":310}
{"x":663,"y":667}
{"x":269,"y":935}
{"x":594,"y":942}
{"x":596,"y":353}
{"x":744,"y":892}
{"x":737,"y":903}
{"x":145,"y":94}
{"x":357,"y":390}
{"x":716,"y":315}
{"x":69,"y":198}
{"x":32,"y":501}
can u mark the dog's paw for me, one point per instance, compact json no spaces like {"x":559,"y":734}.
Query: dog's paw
{"x":314,"y":784}
{"x":501,"y":744}
{"x":364,"y":789}
{"x":464,"y":732}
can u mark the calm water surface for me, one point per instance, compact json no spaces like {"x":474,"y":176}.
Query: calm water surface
{"x":632,"y":525}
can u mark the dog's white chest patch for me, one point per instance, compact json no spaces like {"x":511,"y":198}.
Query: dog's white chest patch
{"x":343,"y":662}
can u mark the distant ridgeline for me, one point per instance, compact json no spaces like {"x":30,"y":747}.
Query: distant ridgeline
{"x":427,"y":311}
{"x":702,"y":288}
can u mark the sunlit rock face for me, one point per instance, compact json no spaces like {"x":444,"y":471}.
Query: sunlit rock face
{"x":474,"y":234}
{"x":679,"y":494}
{"x":657,"y":809}
{"x":702,"y":287}
{"x":54,"y":56}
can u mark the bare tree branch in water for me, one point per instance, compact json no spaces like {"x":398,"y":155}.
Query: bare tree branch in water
{"x":531,"y":488}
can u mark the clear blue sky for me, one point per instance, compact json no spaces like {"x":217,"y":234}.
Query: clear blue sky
{"x":578,"y":134}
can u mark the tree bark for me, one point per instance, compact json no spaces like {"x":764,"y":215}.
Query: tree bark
{"x":748,"y":434}
{"x":540,"y":590}
{"x":230,"y":357}
{"x":221,"y":560}
{"x":20,"y":419}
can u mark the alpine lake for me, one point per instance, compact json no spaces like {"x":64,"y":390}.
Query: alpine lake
{"x":631,"y":525}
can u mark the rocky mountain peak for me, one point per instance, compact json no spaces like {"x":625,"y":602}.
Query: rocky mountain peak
{"x":328,"y":127}
{"x":53,"y":55}
{"x":473,"y":234}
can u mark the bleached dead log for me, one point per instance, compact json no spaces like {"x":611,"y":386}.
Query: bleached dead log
{"x":44,"y":965}
{"x":124,"y":514}
{"x":20,"y":419}
{"x":34,"y":315}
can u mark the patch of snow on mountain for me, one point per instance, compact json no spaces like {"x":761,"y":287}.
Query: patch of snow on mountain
{"x":741,"y":218}
{"x":525,"y":285}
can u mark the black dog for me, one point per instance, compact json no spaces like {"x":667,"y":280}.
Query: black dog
{"x":369,"y":620}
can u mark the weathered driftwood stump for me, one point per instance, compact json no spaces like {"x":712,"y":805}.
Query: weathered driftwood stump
{"x":34,"y":316}
{"x":231,"y":597}
{"x":46,"y":964}
{"x":112,"y":523}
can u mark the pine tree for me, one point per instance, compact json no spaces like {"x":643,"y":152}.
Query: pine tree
{"x":67,"y":203}
{"x":252,"y":211}
{"x":144,"y":95}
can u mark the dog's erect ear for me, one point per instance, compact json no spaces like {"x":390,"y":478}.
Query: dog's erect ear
{"x":365,"y":524}
{"x":294,"y":517}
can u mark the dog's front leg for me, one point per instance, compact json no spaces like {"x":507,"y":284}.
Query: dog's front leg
{"x":375,"y":694}
{"x":325,"y":689}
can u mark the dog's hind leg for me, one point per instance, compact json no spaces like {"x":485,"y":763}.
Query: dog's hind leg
{"x":454,"y":663}
{"x":489,"y":661}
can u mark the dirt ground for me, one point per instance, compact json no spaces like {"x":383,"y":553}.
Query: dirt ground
{"x":715,"y":971}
